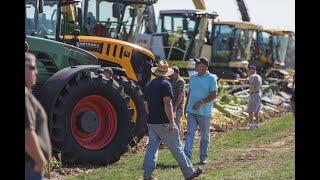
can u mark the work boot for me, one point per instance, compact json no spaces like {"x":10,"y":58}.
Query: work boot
{"x":196,"y":173}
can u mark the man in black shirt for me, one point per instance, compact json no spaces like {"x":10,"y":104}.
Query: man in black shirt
{"x":161,"y":125}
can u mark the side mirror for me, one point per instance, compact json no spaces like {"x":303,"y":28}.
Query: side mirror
{"x":75,"y":32}
{"x":117,"y":10}
{"x":185,"y":24}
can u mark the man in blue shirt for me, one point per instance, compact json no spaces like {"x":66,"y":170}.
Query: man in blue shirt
{"x":161,"y":125}
{"x":202,"y":90}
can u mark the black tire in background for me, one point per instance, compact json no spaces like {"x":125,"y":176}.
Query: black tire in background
{"x":62,"y":136}
{"x":139,"y":126}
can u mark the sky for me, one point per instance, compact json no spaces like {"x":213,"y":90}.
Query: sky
{"x":268,"y":13}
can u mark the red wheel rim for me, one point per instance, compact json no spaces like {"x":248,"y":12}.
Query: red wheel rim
{"x":93,"y":122}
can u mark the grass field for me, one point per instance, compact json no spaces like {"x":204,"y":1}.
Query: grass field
{"x":267,"y":153}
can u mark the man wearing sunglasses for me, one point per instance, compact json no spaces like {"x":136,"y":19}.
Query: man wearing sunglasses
{"x":37,"y":142}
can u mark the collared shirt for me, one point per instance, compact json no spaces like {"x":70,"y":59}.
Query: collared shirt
{"x":201,"y":87}
{"x":155,"y":91}
{"x":177,"y":87}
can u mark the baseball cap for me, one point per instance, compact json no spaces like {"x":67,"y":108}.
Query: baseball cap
{"x":202,"y":60}
{"x":252,"y":67}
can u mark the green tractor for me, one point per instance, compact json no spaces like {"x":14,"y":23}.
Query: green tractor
{"x":131,"y":64}
{"x":181,"y":36}
{"x":232,"y":48}
{"x":269,"y":51}
{"x":89,"y":118}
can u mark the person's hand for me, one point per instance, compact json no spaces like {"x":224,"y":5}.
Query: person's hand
{"x":171,"y":127}
{"x":197,"y":105}
{"x":39,"y":166}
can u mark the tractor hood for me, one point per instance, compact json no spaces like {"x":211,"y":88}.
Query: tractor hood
{"x":114,"y":41}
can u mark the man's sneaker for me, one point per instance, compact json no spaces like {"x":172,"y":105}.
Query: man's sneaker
{"x":204,"y":161}
{"x":150,"y":178}
{"x":196,"y":173}
{"x":256,"y":126}
{"x":252,"y":126}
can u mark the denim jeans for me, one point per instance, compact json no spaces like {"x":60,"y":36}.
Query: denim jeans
{"x":204,"y":125}
{"x":29,"y":173}
{"x":157,"y":133}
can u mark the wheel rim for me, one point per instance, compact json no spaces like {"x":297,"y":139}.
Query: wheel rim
{"x":93,"y":122}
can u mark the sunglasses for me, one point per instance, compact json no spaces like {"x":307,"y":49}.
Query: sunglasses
{"x":32,"y":68}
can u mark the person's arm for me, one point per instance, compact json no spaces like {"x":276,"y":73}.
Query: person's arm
{"x":167,"y":102}
{"x":32,"y":145}
{"x":187,"y":101}
{"x":33,"y":149}
{"x":146,"y":106}
{"x":166,"y":94}
{"x":180,"y":95}
{"x":179,"y":99}
{"x":212,"y":95}
{"x":207,"y":99}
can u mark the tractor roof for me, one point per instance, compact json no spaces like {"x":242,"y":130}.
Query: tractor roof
{"x":275,"y":31}
{"x":240,"y":25}
{"x":212,"y":14}
{"x":133,"y":1}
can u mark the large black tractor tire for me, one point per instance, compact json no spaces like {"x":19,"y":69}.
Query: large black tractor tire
{"x":138,"y":126}
{"x":72,"y":120}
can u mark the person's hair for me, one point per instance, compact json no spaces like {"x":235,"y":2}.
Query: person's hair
{"x":29,"y":56}
{"x":108,"y":70}
{"x":175,"y":69}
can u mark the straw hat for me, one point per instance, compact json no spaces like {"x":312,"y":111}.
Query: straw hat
{"x":162,"y":69}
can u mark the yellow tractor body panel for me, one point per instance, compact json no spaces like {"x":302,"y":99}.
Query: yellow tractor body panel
{"x":111,"y":50}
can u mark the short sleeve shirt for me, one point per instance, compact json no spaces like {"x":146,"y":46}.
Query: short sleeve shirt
{"x":155,"y":91}
{"x":200,"y":88}
{"x":177,"y":87}
{"x":36,"y":119}
{"x":255,"y":83}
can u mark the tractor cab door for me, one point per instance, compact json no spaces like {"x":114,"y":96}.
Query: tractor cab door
{"x":223,"y":40}
{"x":181,"y":31}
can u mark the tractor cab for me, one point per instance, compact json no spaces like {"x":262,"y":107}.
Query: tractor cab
{"x":184,"y":32}
{"x":231,"y":44}
{"x":41,"y":24}
{"x":271,"y":47}
{"x":57,"y":17}
{"x":115,"y":19}
{"x":289,"y":59}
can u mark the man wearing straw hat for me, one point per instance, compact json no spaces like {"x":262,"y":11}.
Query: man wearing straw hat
{"x":161,"y":125}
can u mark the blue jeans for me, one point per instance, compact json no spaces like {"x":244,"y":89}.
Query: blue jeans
{"x":204,"y":125}
{"x":157,"y":133}
{"x":29,"y":172}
